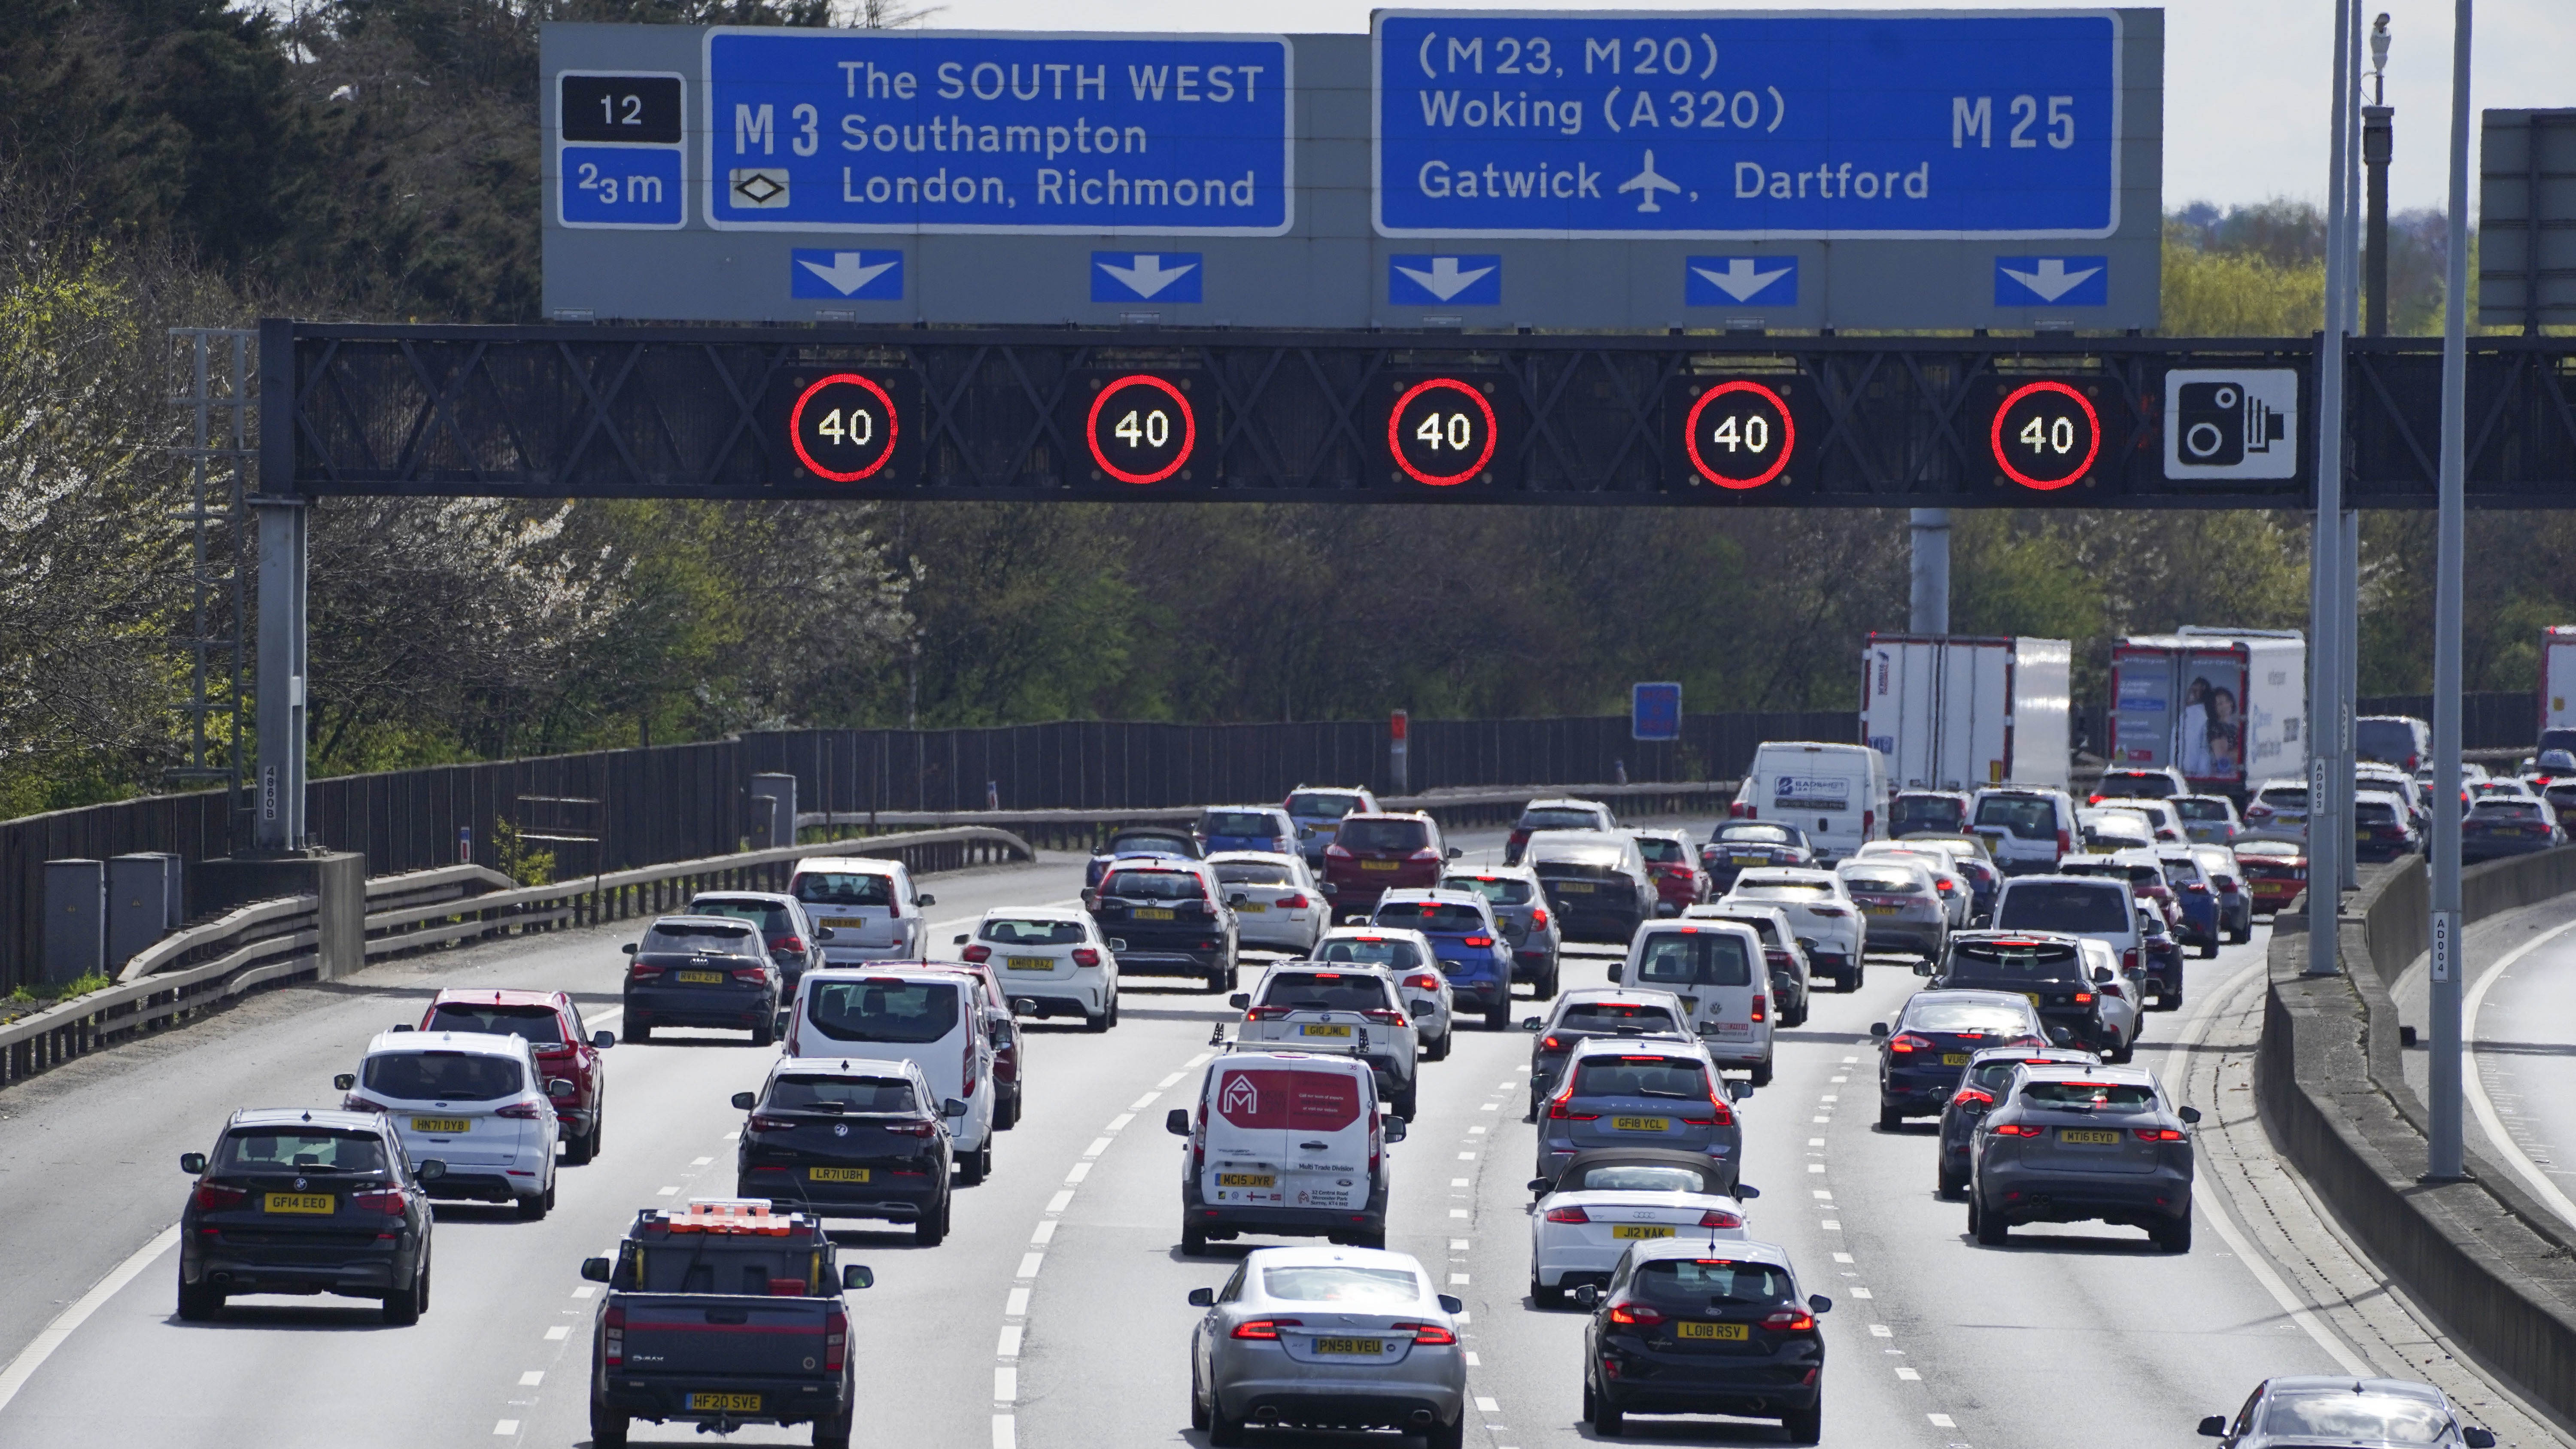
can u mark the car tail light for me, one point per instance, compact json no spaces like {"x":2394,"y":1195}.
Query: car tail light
{"x":1335,"y":851}
{"x":613,"y":1336}
{"x":387,"y":1201}
{"x":1568,"y":1215}
{"x":1297,"y":902}
{"x":2084,"y":998}
{"x":1972,"y":1096}
{"x":1264,"y":1327}
{"x":638,"y":971}
{"x":1946,"y":888}
{"x":787,"y":943}
{"x":1558,"y":1112}
{"x":1085,"y":956}
{"x":1909,"y":1042}
{"x":2016,"y":1129}
{"x":2066,"y":842}
{"x":1550,"y":1044}
{"x":214,"y":1198}
{"x":771,"y":1124}
{"x":836,"y":1339}
{"x":966,"y":1071}
{"x":1430,"y":1333}
{"x":1267,"y":1013}
{"x":752,"y":975}
{"x":1425,"y":853}
{"x":1720,"y":1218}
{"x":1779,"y":960}
{"x":355,"y":1103}
{"x":979,"y":953}
{"x":2158,"y":1134}
{"x":1791,"y":1320}
{"x":1538,"y":919}
{"x":1424,"y":982}
{"x":1384,"y":1017}
{"x":1479,"y":942}
{"x":2129,"y":960}
{"x":1634,"y":1313}
{"x":1832,"y":912}
{"x":2197,"y":889}
{"x":1868,"y":822}
{"x":1738,"y":810}
{"x":1761,"y":1007}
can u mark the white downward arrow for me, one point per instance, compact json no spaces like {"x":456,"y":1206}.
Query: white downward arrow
{"x":1739,"y":280}
{"x":845,"y":274}
{"x":1148,"y":277}
{"x":1444,"y":280}
{"x":2052,"y":280}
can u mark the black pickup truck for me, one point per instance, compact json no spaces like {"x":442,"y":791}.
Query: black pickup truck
{"x":721,"y":1314}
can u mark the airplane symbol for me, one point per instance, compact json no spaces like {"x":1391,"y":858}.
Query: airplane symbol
{"x":846,"y":275}
{"x":1148,"y":276}
{"x":2052,"y":280}
{"x":1740,"y":280}
{"x":1650,"y":183}
{"x":1445,"y":280}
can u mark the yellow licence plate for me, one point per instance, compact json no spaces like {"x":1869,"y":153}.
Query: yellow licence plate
{"x":2087,"y":1134}
{"x":1954,"y":1059}
{"x":1028,"y":963}
{"x":1752,"y":860}
{"x":700,"y":978}
{"x":1879,"y":910}
{"x":1639,"y":1230}
{"x":1641,"y":1124}
{"x":1381,"y":865}
{"x":1372,"y":1347}
{"x":842,"y":923}
{"x":1152,"y":913}
{"x":2034,"y":997}
{"x":836,"y":1174}
{"x":1723,"y":1332}
{"x":1255,"y":907}
{"x":1574,"y":887}
{"x":1247,"y":1179}
{"x":316,"y":1203}
{"x":733,"y":1403}
{"x":444,"y":1126}
{"x":1320,"y":1029}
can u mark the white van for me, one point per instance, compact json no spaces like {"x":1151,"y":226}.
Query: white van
{"x":1285,"y":1143}
{"x":891,"y":1014}
{"x":1837,"y":794}
{"x":863,"y":910}
{"x":1718,"y":971}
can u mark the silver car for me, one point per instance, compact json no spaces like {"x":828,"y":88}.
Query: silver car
{"x":2067,"y":1144}
{"x":1328,"y":1338}
{"x":1900,"y":903}
{"x":1626,"y":1092}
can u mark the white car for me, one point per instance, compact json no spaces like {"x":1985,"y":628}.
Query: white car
{"x":863,"y":910}
{"x":2101,"y":829}
{"x":1408,"y":957}
{"x":1050,"y":961}
{"x":1782,"y":952}
{"x":1718,"y":972}
{"x":1605,"y":1199}
{"x":1346,"y":1010}
{"x":475,"y":1101}
{"x":1278,"y":903}
{"x":1820,"y":907}
{"x":2120,"y":996}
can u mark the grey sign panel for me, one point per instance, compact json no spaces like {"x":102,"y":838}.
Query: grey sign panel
{"x":736,"y":224}
{"x":2527,"y":218}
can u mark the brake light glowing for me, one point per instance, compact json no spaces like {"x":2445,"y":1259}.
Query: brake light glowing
{"x":1266,"y":1013}
{"x":1557,"y":1112}
{"x":1550,"y":1044}
{"x":1634,"y":1313}
{"x":1720,"y":1218}
{"x":1568,"y":1215}
{"x":1265,"y":1327}
{"x":2158,"y":1134}
{"x":613,"y":1336}
{"x":1791,"y":1320}
{"x":1538,"y":919}
{"x":979,"y":952}
{"x":1383,"y":1017}
{"x":1297,"y":902}
{"x":1479,"y":942}
{"x":1909,"y":1042}
{"x":214,"y":1198}
{"x":2016,"y":1129}
{"x":1423,"y":982}
{"x":1427,"y":1333}
{"x":1761,"y":1007}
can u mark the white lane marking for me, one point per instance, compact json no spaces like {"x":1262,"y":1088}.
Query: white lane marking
{"x":1815,"y":1167}
{"x":1860,"y":1293}
{"x":1842,"y":1257}
{"x":1909,"y":1375}
{"x":1009,"y":1344}
{"x":1820,"y":1121}
{"x":1475,"y":1130}
{"x":1820,"y":1194}
{"x":1878,"y":1330}
{"x":1045,"y":1233}
{"x":532,"y":1378}
{"x":1461,"y":1182}
{"x":1145,"y":1101}
{"x":1830,"y":1225}
{"x":1507,"y":1086}
{"x":1841,"y":1079}
{"x":1828,"y":1097}
{"x":1202,"y":1059}
{"x":1458,"y":1279}
{"x":1457,"y":1212}
{"x":1815,"y":1142}
{"x":585,"y":1290}
{"x":1473,"y":1361}
{"x":1003,"y":1436}
{"x":1942,"y":1421}
{"x":506,"y":1426}
{"x":1461,"y":1315}
{"x":1119,"y":1122}
{"x":2519,"y":1160}
{"x":1060,"y":1201}
{"x":734,"y":1136}
{"x":668,"y":1192}
{"x":1098,"y":1146}
{"x":557,"y":1333}
{"x":1017,"y":1305}
{"x":1166,"y":1084}
{"x":1457,"y":1243}
{"x":1006,"y":1385}
{"x":1488,"y":1406}
{"x":56,"y":1333}
{"x":700,"y":1161}
{"x":1029,"y":1265}
{"x":1490,"y":1107}
{"x":1080,"y":1171}
{"x":1466,"y":1157}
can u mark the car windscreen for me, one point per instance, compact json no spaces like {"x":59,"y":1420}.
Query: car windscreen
{"x":842,"y":1094}
{"x":1558,"y":858}
{"x":1926,"y":812}
{"x":2063,"y":906}
{"x":1020,"y":931}
{"x":2374,"y":812}
{"x":2286,"y":797}
{"x":441,"y":1076}
{"x":2024,"y":817}
{"x":1782,"y":890}
{"x":1150,"y":844}
{"x":1501,"y":890}
{"x":1322,"y":804}
{"x":1398,"y":955}
{"x":298,"y":1149}
{"x":1673,"y":959}
{"x":1713,"y":1280}
{"x":1662,"y":851}
{"x":845,"y":888}
{"x":1996,"y":1075}
{"x":2392,"y":741}
{"x":1753,"y":835}
{"x":888,"y":1010}
{"x":2504,"y":809}
{"x":2015,"y":963}
{"x":1152,"y":885}
{"x":2138,"y":787}
{"x":1383,"y":835}
{"x":1679,"y":1078}
{"x":1610,"y":1016}
{"x":1560,"y":818}
{"x":1254,"y":873}
{"x":1340,"y":1283}
{"x":767,"y":917}
{"x":1929,"y":1013}
{"x":1324,"y":991}
{"x":1238,"y":822}
{"x":1443,"y":916}
{"x":1880,"y":880}
{"x":1637,"y":1177}
{"x":2182,"y":873}
{"x":2118,"y":1096}
{"x":539,"y":1024}
{"x":2343,"y":1417}
{"x":691,"y":938}
{"x":2199,"y":807}
{"x":2117,"y":834}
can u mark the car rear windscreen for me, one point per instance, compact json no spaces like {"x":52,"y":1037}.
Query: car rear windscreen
{"x":2372,"y":812}
{"x":1674,"y":959}
{"x":2118,"y":1096}
{"x":1637,"y":1177}
{"x":888,"y":1010}
{"x":1383,"y":835}
{"x":1662,"y":852}
{"x":1430,"y":916}
{"x":1322,"y":804}
{"x":1574,"y":858}
{"x":1931,"y":1013}
{"x":1154,"y":844}
{"x":2024,"y":817}
{"x":1152,"y":885}
{"x":2507,"y":809}
{"x":1322,"y":991}
{"x":1926,"y":812}
{"x":440,"y":1076}
{"x":1782,"y":890}
{"x":538,"y":1024}
{"x":2385,"y":740}
{"x":1398,"y":955}
{"x":2015,"y":963}
{"x":1005,"y":931}
{"x":746,"y":1267}
{"x":1679,"y":1078}
{"x":1610,"y":1016}
{"x":1879,"y":880}
{"x":686,"y":938}
{"x":1238,"y":822}
{"x":1337,"y":1283}
{"x":290,"y":1149}
{"x":1559,"y":818}
{"x":767,"y":917}
{"x":1753,"y":835}
{"x":1254,"y":873}
{"x":845,"y":1094}
{"x":2284,"y":797}
{"x":1703,"y":1280}
{"x":2135,"y":786}
{"x":2199,"y":807}
{"x":845,"y":888}
{"x":1501,"y":890}
{"x":2063,"y":906}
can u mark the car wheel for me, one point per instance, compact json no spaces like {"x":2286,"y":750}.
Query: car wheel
{"x":832,"y":1433}
{"x":2121,"y":1054}
{"x":1806,"y":1426}
{"x":1198,"y":1402}
{"x":1193,"y":1242}
{"x":1547,"y":983}
{"x":1544,"y":1296}
{"x":532,"y":1207}
{"x":635,"y":1031}
{"x":766,"y":1033}
{"x":932,"y":1228}
{"x":402,"y":1306}
{"x":199,"y":1301}
{"x":1100,"y":1023}
{"x":1498,"y":1017}
{"x":1952,"y":1184}
{"x":1006,"y":1111}
{"x":1374,"y":1239}
{"x":1850,"y":980}
{"x":607,"y":1430}
{"x":978,"y":1165}
{"x":577,"y":1149}
{"x":427,"y":1272}
{"x":2209,"y":951}
{"x":1889,"y":1119}
{"x":1222,"y":1432}
{"x":1762,"y":1073}
{"x":1216,"y":977}
{"x":2176,"y":1236}
{"x":1439,"y":1048}
{"x":1606,"y":1418}
{"x":1992,"y":1231}
{"x":1113,"y":1008}
{"x":1451,"y":1435}
{"x":1408,"y":1100}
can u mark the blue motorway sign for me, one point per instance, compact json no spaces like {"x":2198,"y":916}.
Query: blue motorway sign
{"x":622,"y":186}
{"x":861,"y":276}
{"x":1853,"y":124}
{"x":1655,"y":711}
{"x":927,"y":132}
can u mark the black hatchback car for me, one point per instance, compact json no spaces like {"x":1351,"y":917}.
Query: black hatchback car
{"x":1983,"y":1080}
{"x":1737,"y":846}
{"x":1919,"y":1057}
{"x":706,"y":971}
{"x":849,"y":1139}
{"x":2048,"y":969}
{"x":1692,"y":1326}
{"x":305,"y":1202}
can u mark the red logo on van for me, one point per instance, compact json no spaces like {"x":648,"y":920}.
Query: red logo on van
{"x":1297,"y":1101}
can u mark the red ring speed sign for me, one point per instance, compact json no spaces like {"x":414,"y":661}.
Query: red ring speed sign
{"x":1788,"y":434}
{"x":2047,"y":387}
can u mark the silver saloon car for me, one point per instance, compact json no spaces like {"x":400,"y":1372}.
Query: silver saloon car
{"x":1328,"y":1338}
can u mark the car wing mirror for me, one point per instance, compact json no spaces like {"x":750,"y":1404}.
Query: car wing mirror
{"x":1666,"y":910}
{"x":1449,"y":1304}
{"x":1878,"y":1029}
{"x":560,"y":1087}
{"x":822,"y":933}
{"x":1202,"y":1298}
{"x":628,"y":948}
{"x":1588,"y":1296}
{"x":192,"y":1163}
{"x":2214,"y":1427}
{"x":925,"y":899}
{"x":2472,"y":1437}
{"x":1819,"y":1303}
{"x":1529,"y":1023}
{"x":1395,"y":1129}
{"x":595,"y":1269}
{"x":1177,"y":1121}
{"x":2060,"y":1036}
{"x":1117,"y":943}
{"x":1922,"y":968}
{"x":1238,"y":899}
{"x":405,"y":1026}
{"x":1737,"y":1089}
{"x":1746,"y":1192}
{"x":744,"y":1101}
{"x":1539,"y":1186}
{"x":2190,"y":1115}
{"x":1454,"y":853}
{"x":957,"y":940}
{"x":2101,"y":975}
{"x":429,"y":1169}
{"x":346,"y":1081}
{"x":1240,"y":1001}
{"x":1615,"y":972}
{"x":601,"y":1041}
{"x":952,"y":1107}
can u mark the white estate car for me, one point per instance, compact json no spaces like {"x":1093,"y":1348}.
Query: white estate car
{"x":1278,"y":904}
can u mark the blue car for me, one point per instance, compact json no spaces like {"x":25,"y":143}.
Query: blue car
{"x":1246,"y":827}
{"x":2192,"y":891}
{"x":1473,"y":952}
{"x":1168,"y":841}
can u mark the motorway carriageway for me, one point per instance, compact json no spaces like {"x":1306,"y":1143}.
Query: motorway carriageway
{"x":1054,"y":1315}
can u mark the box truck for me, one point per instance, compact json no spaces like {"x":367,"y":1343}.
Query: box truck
{"x":2226,"y":707}
{"x":1952,"y":712}
{"x":2558,"y":687}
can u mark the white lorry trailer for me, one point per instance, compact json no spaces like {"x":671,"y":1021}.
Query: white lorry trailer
{"x":1952,"y":712}
{"x":2226,"y":707}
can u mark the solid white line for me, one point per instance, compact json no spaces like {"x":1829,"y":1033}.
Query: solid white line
{"x":2515,"y":1158}
{"x":56,"y":1333}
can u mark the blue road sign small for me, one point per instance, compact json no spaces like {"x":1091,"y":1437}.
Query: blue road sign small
{"x":855,"y":276}
{"x":621,"y":186}
{"x":2052,"y":281}
{"x":1655,"y":711}
{"x":1740,"y":282}
{"x":1444,"y":281}
{"x":1147,"y":276}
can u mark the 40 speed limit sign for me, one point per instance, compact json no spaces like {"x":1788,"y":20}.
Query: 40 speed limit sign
{"x":838,"y":429}
{"x":1139,"y":427}
{"x":1740,"y":437}
{"x":1444,"y":429}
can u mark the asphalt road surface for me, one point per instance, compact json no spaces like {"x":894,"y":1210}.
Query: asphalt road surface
{"x":1055,"y":1314}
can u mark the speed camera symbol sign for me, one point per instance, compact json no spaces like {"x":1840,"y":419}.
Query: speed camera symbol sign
{"x":2231,"y":423}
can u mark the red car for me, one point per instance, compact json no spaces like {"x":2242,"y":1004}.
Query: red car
{"x":2275,"y":870}
{"x":1002,"y":1025}
{"x":565,"y":1050}
{"x":1374,"y":854}
{"x":1679,"y":881}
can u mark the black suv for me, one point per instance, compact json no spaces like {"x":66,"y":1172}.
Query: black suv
{"x":296,"y":1201}
{"x":2049,"y":969}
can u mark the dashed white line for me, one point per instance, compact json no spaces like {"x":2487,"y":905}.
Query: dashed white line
{"x":1145,"y":1101}
{"x":1017,"y":1305}
{"x":1830,"y":1225}
{"x":1060,"y":1201}
{"x":1466,"y":1157}
{"x":1119,"y":1122}
{"x":1820,"y":1194}
{"x":1860,"y":1293}
{"x":668,"y":1192}
{"x":1909,"y":1375}
{"x":1167,"y":1083}
{"x":1490,"y":1107}
{"x":1098,"y":1146}
{"x":1462,"y":1182}
{"x":1006,"y":1385}
{"x":700,"y":1161}
{"x":1507,"y":1086}
{"x":1457,"y":1212}
{"x":532,"y":1378}
{"x":558,"y":1333}
{"x":1009,"y":1344}
{"x":1475,"y":1130}
{"x":1458,"y":1279}
{"x":1473,"y":1361}
{"x":1029,"y":1265}
{"x":1815,"y":1142}
{"x":506,"y":1426}
{"x":1942,"y":1421}
{"x":1842,"y":1257}
{"x":1488,"y":1406}
{"x":1004,"y":1437}
{"x":1881,"y":1330}
{"x":1828,"y":1097}
{"x":1080,"y":1171}
{"x":1457,"y":1244}
{"x":1815,"y":1167}
{"x":1820,"y":1119}
{"x":585,"y":1290}
{"x":1045,"y":1233}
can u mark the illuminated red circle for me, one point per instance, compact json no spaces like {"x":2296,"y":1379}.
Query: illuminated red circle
{"x":1189,"y":428}
{"x":1788,"y":434}
{"x":2093,"y":448}
{"x":796,"y":427}
{"x":1395,"y":443}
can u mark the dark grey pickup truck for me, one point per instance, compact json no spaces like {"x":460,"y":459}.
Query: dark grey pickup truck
{"x":721,"y":1314}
